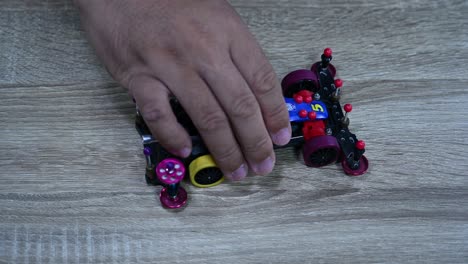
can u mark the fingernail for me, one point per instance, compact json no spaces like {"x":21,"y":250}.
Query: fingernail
{"x":264,"y":167}
{"x":183,"y":153}
{"x":238,"y":174}
{"x":281,"y":137}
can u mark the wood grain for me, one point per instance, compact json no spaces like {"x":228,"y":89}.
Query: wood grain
{"x":71,"y":167}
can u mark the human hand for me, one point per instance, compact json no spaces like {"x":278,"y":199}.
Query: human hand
{"x":203,"y":54}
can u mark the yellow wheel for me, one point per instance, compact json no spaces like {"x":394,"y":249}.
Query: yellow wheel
{"x":204,"y":173}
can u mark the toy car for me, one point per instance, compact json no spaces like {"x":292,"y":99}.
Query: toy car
{"x":317,"y":120}
{"x":318,"y":123}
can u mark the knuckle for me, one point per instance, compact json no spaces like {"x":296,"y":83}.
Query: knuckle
{"x":153,"y":114}
{"x":244,"y":107}
{"x":171,"y":142}
{"x":212,"y":121}
{"x":264,"y":81}
{"x":211,"y":66}
{"x":228,"y":158}
{"x":121,"y":73}
{"x":277,"y":117}
{"x":259,"y":149}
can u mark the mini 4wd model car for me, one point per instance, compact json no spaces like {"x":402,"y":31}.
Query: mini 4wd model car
{"x":318,"y":123}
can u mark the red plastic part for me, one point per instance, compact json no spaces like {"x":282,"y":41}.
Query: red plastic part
{"x":313,"y":129}
{"x":338,"y":83}
{"x":327,"y":52}
{"x":312,"y":115}
{"x":303,"y":113}
{"x":348,"y":108}
{"x":304,"y":93}
{"x":360,"y":144}
{"x":298,"y":99}
{"x":303,"y":96}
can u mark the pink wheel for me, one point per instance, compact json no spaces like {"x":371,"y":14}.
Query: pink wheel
{"x":173,"y":202}
{"x":331,"y":68}
{"x":170,"y":171}
{"x":290,"y":82}
{"x":363,"y":166}
{"x":321,"y":151}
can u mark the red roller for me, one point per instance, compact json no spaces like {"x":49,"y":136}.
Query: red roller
{"x":338,"y":83}
{"x":348,"y":108}
{"x":360,"y":144}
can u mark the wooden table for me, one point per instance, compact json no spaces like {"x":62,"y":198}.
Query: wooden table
{"x":71,"y":166}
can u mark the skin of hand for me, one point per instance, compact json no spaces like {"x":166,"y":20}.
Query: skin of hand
{"x":202,"y":53}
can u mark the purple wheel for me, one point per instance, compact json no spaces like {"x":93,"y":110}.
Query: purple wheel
{"x":321,"y":151}
{"x":170,"y":171}
{"x":299,"y":80}
{"x":173,"y":202}
{"x":331,"y":68}
{"x":363,"y":166}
